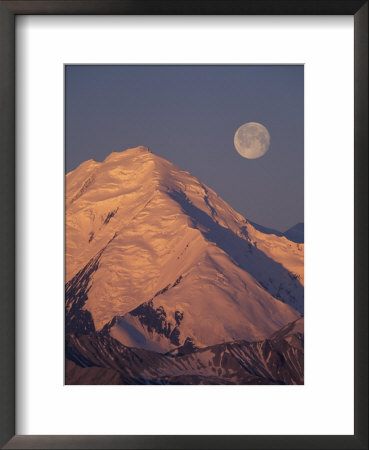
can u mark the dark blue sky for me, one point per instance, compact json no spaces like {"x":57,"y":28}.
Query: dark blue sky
{"x":188,"y":115}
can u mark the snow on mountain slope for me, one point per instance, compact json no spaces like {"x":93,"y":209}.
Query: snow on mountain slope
{"x":98,"y":359}
{"x":294,"y":234}
{"x":154,"y":256}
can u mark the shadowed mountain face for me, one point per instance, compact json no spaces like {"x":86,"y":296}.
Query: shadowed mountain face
{"x":295,"y":233}
{"x":161,"y":270}
{"x":100,"y":359}
{"x":246,"y":254}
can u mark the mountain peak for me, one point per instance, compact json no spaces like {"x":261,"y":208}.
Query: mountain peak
{"x":134,"y":151}
{"x":156,"y":257}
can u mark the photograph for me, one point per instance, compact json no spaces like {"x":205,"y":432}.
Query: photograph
{"x":184,"y":224}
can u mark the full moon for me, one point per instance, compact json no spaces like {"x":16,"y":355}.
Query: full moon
{"x":252,"y":140}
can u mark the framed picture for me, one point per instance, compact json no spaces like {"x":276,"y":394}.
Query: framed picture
{"x":171,"y":175}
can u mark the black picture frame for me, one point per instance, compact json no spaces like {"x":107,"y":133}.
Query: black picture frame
{"x":8,"y":12}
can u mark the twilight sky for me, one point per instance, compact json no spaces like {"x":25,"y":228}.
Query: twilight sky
{"x":188,"y":115}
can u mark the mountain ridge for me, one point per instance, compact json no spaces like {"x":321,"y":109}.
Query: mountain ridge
{"x":153,"y":224}
{"x":294,"y":233}
{"x":276,"y":360}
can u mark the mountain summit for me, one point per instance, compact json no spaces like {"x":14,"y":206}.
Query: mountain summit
{"x":157,"y":260}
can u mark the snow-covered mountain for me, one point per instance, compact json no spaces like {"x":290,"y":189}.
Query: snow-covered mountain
{"x":100,"y":359}
{"x":156,"y":260}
